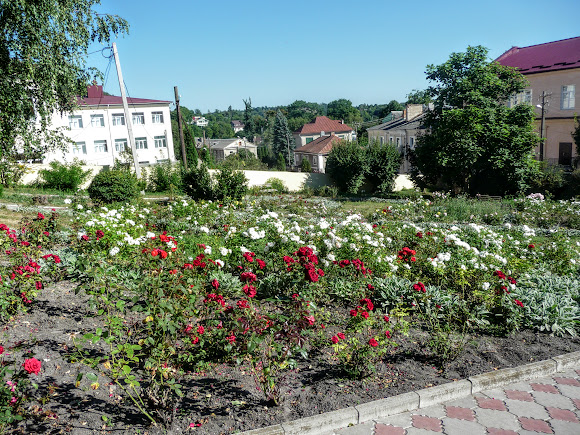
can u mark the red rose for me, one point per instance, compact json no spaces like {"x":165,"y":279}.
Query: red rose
{"x":1,"y":350}
{"x":32,"y":365}
{"x":373,"y":342}
{"x":353,"y":313}
{"x":334,"y":339}
{"x":200,"y":329}
{"x":340,"y":335}
{"x":40,"y":216}
{"x":215,"y":284}
{"x":365,"y":314}
{"x":388,"y":334}
{"x":386,"y":318}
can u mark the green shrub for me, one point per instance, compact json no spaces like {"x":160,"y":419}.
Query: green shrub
{"x":384,"y":164}
{"x":230,"y":184}
{"x":280,"y":163}
{"x":118,"y":185}
{"x":276,"y":184}
{"x":1,"y":190}
{"x":64,"y":176}
{"x":197,"y":183}
{"x":162,"y":176}
{"x":305,"y":166}
{"x":347,"y":165}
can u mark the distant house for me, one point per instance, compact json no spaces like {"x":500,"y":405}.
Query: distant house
{"x":200,"y":121}
{"x":221,"y":148}
{"x":98,"y":130}
{"x":322,"y":126}
{"x":316,"y":152}
{"x":402,"y":131}
{"x":237,"y":125}
{"x":553,"y":72}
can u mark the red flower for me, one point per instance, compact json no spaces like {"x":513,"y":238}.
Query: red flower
{"x":295,"y":296}
{"x":320,"y":272}
{"x":200,"y":329}
{"x":85,"y":238}
{"x":1,"y":350}
{"x":195,"y":340}
{"x":420,"y":234}
{"x":311,"y":275}
{"x":40,"y":216}
{"x":519,"y":303}
{"x":420,"y":287}
{"x":368,"y":303}
{"x":388,"y":334}
{"x":38,"y":285}
{"x":334,"y":339}
{"x":163,"y":253}
{"x":32,"y":365}
{"x":99,"y":234}
{"x":311,"y":320}
{"x":365,"y":314}
{"x":215,"y":284}
{"x":231,"y":339}
{"x":243,"y":304}
{"x":341,"y":335}
{"x":250,"y":290}
{"x":353,"y":313}
{"x":386,"y":318}
{"x":499,"y":274}
{"x":154,"y":253}
{"x":261,"y":263}
{"x":373,"y":342}
{"x":531,"y":246}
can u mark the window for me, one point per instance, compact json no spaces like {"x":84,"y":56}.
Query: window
{"x":568,"y":96}
{"x":160,"y":142}
{"x":138,"y":118}
{"x":565,"y":154}
{"x":309,"y":139}
{"x":157,"y":117}
{"x":391,"y":139}
{"x":101,"y":146}
{"x":523,"y":97}
{"x":382,"y":140}
{"x":97,"y":121}
{"x":398,"y":141}
{"x":75,"y":121}
{"x":79,"y":148}
{"x":118,"y":119}
{"x":120,"y":145}
{"x":412,"y":143}
{"x":141,"y":143}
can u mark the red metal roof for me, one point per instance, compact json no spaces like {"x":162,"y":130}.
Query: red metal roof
{"x":112,"y":100}
{"x":322,"y":123}
{"x":321,"y":145}
{"x":550,"y":56}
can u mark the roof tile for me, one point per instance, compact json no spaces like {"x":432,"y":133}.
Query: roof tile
{"x":323,"y":123}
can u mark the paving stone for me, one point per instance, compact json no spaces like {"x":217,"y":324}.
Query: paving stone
{"x":401,"y":420}
{"x":526,"y":409}
{"x":562,"y":414}
{"x":535,"y":425}
{"x":545,"y":388}
{"x":427,"y":423}
{"x":459,"y":413}
{"x":416,"y":431}
{"x":494,"y":431}
{"x":436,"y":411}
{"x":497,"y":419}
{"x":384,"y":429}
{"x":452,"y":426}
{"x":357,"y":429}
{"x":496,"y":404}
{"x":519,"y":395}
{"x":554,"y":400}
{"x":567,"y":381}
{"x":495,"y":394}
{"x":519,"y":386}
{"x":570,"y":391}
{"x":464,"y":402}
{"x":576,"y":403}
{"x":565,"y":427}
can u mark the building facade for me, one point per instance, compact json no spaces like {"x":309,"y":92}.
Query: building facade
{"x":553,"y":72}
{"x":98,"y":130}
{"x":322,"y":126}
{"x":222,"y":148}
{"x":316,"y":152}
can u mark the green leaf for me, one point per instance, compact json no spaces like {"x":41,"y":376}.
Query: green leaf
{"x":90,"y":376}
{"x":126,"y":370}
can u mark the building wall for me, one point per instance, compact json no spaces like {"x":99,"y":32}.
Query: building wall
{"x":559,"y":123}
{"x":89,"y":134}
{"x":302,"y":140}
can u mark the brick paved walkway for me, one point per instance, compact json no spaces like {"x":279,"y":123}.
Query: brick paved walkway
{"x":548,"y":405}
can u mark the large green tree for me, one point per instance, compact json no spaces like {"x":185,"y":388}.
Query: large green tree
{"x":282,"y":141}
{"x":343,"y":109}
{"x":43,"y":54}
{"x":474,"y":142}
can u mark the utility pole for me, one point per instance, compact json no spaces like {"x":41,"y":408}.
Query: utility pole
{"x":128,"y":119}
{"x":542,"y":121}
{"x":183,"y":155}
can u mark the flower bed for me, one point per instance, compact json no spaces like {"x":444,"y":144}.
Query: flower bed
{"x":283,"y":286}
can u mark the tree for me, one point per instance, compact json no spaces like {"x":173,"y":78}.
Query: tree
{"x":418,"y":97}
{"x":392,"y":106}
{"x":305,"y":166}
{"x":347,"y":165}
{"x":283,"y":142}
{"x":474,"y":142}
{"x":576,"y":137}
{"x":248,"y":120}
{"x":384,"y":164}
{"x":342,"y":109}
{"x":43,"y":48}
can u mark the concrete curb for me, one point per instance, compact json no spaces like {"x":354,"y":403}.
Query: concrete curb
{"x":329,"y":421}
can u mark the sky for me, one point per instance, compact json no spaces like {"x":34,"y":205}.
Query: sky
{"x":220,"y":52}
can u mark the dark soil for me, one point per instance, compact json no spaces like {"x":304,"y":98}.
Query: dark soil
{"x":226,"y":399}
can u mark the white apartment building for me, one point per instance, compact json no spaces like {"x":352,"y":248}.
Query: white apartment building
{"x":98,"y":129}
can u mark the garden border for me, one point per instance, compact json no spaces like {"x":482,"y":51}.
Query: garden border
{"x":327,"y":422}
